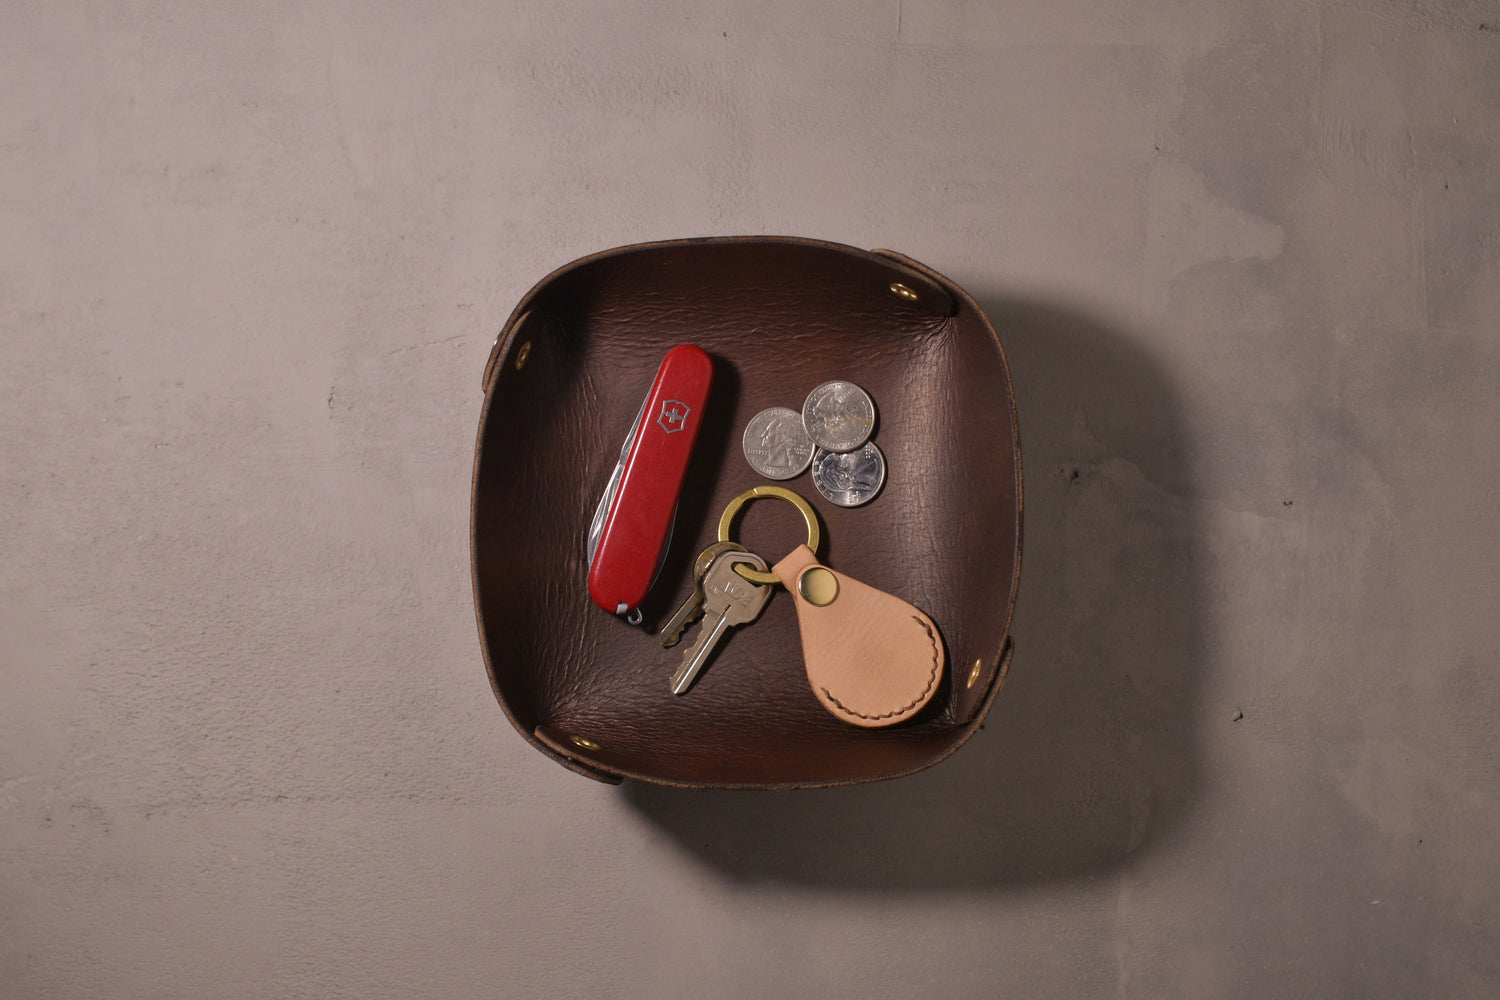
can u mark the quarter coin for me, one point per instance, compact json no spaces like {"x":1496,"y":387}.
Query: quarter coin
{"x":776,"y":444}
{"x":849,"y":478}
{"x":838,"y":416}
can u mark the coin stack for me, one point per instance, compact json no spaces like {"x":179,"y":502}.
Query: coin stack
{"x":831,"y":434}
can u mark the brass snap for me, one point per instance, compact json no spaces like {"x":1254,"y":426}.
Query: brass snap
{"x":901,"y":291}
{"x":818,"y":586}
{"x":522,"y":353}
{"x":975,"y":672}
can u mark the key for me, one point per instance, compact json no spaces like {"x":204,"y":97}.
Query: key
{"x":691,"y":608}
{"x":729,"y":600}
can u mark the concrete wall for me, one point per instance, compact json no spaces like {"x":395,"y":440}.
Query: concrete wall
{"x":1246,"y":258}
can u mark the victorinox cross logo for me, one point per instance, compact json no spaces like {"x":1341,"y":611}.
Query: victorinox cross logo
{"x":674,"y":414}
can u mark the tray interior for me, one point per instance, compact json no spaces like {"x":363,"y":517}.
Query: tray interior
{"x":778,"y":318}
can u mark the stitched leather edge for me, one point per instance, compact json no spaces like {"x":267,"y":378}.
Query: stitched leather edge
{"x":907,"y":709}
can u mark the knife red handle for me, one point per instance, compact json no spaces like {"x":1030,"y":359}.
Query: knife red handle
{"x":639,"y":523}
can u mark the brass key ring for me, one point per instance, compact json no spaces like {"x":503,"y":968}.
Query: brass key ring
{"x":781,"y":493}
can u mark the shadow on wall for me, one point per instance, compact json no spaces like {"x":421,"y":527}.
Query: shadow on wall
{"x":1088,"y":756}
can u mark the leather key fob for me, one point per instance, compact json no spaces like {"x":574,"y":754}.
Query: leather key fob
{"x":872,"y":659}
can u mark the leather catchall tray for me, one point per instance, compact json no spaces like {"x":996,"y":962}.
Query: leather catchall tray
{"x":778,"y":316}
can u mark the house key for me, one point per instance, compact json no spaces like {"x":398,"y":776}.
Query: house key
{"x":728,"y":600}
{"x":691,"y":608}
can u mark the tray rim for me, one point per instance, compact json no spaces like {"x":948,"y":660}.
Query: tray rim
{"x":502,"y":347}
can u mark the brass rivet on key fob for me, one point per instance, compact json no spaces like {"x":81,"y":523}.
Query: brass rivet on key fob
{"x":818,"y":586}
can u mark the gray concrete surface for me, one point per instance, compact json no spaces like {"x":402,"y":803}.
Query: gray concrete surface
{"x":1246,"y":258}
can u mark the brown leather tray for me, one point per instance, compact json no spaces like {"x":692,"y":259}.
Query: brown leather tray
{"x":779,"y":316}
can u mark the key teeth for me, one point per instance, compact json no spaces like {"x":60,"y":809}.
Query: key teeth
{"x":670,"y":639}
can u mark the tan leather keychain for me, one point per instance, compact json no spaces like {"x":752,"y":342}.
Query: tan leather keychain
{"x":872,"y":659}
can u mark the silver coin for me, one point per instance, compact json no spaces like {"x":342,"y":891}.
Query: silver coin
{"x":849,"y":478}
{"x":776,"y":444}
{"x":839,"y":416}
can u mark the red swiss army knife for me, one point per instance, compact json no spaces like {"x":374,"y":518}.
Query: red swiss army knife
{"x":633,"y":524}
